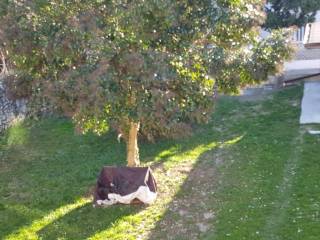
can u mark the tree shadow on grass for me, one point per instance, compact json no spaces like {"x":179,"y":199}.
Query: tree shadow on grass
{"x":85,"y":221}
{"x":268,"y":130}
{"x":77,"y":220}
{"x":46,"y":166}
{"x":190,"y":211}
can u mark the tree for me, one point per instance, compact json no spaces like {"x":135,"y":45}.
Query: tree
{"x":145,"y":67}
{"x":284,"y":13}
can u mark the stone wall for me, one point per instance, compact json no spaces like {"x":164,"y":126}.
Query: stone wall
{"x":10,"y":111}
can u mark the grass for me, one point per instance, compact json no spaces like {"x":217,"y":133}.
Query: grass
{"x":251,"y":173}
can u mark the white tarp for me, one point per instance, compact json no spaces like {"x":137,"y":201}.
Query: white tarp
{"x":310,"y":106}
{"x":143,"y":194}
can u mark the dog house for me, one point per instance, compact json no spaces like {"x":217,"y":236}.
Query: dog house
{"x":125,"y":185}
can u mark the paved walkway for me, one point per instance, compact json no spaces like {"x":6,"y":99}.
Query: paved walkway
{"x":300,"y":68}
{"x":310,"y":106}
{"x":302,"y":65}
{"x":307,"y":54}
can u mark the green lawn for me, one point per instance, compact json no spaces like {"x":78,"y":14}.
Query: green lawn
{"x":251,"y":173}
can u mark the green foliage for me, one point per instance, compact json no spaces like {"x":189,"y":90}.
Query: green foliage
{"x":283,"y":13}
{"x":108,"y":63}
{"x":252,"y":64}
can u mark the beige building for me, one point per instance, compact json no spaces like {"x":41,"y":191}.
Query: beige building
{"x":309,"y":35}
{"x":312,"y":35}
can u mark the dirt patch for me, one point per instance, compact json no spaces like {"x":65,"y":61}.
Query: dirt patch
{"x":190,"y":214}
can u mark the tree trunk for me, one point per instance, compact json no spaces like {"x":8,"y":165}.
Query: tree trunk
{"x":3,"y":66}
{"x":132,"y":145}
{"x":215,"y":90}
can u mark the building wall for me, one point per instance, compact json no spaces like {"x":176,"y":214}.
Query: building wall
{"x":298,"y":36}
{"x":318,"y":16}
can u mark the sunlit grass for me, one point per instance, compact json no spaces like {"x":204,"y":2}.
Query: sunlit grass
{"x":17,"y":135}
{"x":31,"y":232}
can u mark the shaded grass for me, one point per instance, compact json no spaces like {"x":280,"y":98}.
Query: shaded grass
{"x":261,"y":168}
{"x":45,"y":166}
